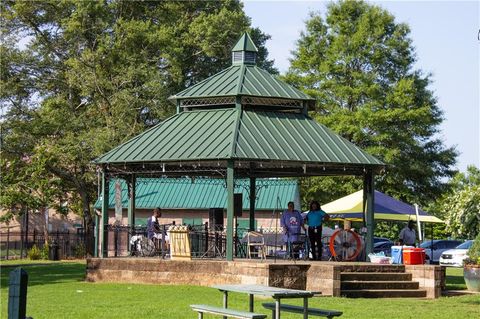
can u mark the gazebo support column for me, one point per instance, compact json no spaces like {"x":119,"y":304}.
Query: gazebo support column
{"x":252,"y":204}
{"x":103,"y":230}
{"x":370,"y":196}
{"x":230,"y":189}
{"x":131,"y":204}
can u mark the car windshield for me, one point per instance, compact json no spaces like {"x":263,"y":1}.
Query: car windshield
{"x":465,"y":245}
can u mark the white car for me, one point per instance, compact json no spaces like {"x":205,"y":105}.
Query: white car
{"x":455,"y":257}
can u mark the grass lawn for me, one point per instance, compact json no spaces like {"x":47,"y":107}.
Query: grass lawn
{"x":57,"y":290}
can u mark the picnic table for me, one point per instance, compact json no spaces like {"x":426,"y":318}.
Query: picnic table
{"x":276,"y":293}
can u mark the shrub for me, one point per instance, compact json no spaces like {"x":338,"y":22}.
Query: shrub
{"x":79,"y":251}
{"x":34,"y":253}
{"x":474,"y":252}
{"x":44,"y":251}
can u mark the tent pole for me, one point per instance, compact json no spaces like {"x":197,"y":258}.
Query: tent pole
{"x":418,"y":223}
{"x":230,"y":174}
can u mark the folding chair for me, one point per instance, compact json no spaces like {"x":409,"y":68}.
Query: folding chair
{"x":256,"y":241}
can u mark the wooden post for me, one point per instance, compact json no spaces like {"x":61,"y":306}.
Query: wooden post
{"x":17,"y":294}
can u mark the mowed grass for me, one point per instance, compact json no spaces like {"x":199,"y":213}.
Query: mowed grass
{"x":57,"y":290}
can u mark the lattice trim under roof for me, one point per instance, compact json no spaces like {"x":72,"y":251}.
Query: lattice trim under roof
{"x":223,"y":100}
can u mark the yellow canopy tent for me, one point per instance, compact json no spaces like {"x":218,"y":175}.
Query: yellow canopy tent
{"x":350,"y":208}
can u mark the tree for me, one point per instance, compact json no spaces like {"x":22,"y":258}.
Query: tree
{"x":461,"y":206}
{"x":358,"y":64}
{"x":80,"y":77}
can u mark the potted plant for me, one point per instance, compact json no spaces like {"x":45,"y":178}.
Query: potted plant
{"x":471,"y":269}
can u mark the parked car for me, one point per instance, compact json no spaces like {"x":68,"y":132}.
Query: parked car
{"x":380,"y":239}
{"x":455,"y":257}
{"x":385,"y":246}
{"x":438,"y":247}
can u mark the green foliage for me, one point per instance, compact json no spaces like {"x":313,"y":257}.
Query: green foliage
{"x":34,"y":253}
{"x":389,"y":230}
{"x":358,"y":62}
{"x":90,"y":75}
{"x":79,"y":251}
{"x":474,"y":252}
{"x":44,"y":252}
{"x":461,"y":206}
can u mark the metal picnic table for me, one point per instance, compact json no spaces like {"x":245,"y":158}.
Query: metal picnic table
{"x":274,"y":292}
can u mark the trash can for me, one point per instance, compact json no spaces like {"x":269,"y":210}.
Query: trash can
{"x":413,"y":256}
{"x":53,"y":251}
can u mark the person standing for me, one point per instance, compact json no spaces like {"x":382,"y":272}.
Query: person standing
{"x":408,"y":236}
{"x":292,"y":223}
{"x":315,"y":217}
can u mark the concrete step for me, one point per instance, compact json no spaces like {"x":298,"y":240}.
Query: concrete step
{"x":381,"y":276}
{"x":396,"y":285}
{"x":382,"y":293}
{"x":376,"y":268}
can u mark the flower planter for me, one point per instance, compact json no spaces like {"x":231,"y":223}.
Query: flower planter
{"x":471,"y":274}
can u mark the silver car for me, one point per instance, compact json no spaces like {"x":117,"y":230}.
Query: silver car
{"x":435,"y":248}
{"x":455,"y":257}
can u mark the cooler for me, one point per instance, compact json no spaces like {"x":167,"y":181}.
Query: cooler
{"x":413,"y":256}
{"x":397,"y":254}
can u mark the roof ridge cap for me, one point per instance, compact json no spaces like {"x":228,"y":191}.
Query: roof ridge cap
{"x":233,"y":152}
{"x":241,"y":77}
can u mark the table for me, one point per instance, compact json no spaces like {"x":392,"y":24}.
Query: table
{"x":274,"y":292}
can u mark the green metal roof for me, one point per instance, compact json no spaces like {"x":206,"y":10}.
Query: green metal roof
{"x":223,"y":134}
{"x":242,"y":80}
{"x":294,"y":137}
{"x":245,"y":43}
{"x":199,"y":135}
{"x":203,"y":193}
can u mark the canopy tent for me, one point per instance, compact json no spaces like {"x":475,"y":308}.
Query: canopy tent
{"x":351,"y":208}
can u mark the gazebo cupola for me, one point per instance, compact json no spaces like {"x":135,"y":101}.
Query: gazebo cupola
{"x":245,"y":51}
{"x":243,"y":85}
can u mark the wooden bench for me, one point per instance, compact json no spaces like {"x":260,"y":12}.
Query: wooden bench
{"x":226,"y":312}
{"x":299,"y":309}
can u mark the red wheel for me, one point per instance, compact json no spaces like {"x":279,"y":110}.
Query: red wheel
{"x":345,"y":245}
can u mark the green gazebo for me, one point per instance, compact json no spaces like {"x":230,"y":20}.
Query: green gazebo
{"x":239,"y":123}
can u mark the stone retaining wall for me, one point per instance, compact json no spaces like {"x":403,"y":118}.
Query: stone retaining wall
{"x":195,"y":272}
{"x":430,"y":277}
{"x":324,"y":277}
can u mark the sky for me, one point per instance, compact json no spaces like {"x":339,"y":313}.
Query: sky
{"x":445,"y":35}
